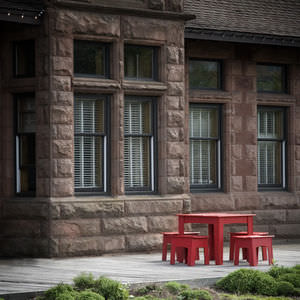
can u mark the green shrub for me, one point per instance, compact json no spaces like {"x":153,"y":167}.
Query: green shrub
{"x":84,"y":281}
{"x":241,"y":281}
{"x":175,"y":287}
{"x":285,"y":288}
{"x":55,"y":292}
{"x":110,"y":289}
{"x":146,"y":289}
{"x":195,"y":294}
{"x":264,"y":284}
{"x":277,"y":271}
{"x":89,"y":295}
{"x":297,"y":292}
{"x":293,"y":278}
{"x":66,"y":296}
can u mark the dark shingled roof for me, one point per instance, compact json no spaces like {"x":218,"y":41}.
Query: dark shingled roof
{"x":267,"y":17}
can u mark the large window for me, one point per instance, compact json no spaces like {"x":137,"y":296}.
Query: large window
{"x":91,"y":143}
{"x":25,"y":144}
{"x":24,"y":58}
{"x":205,"y":147}
{"x":139,"y":144}
{"x":205,"y":74}
{"x":271,"y":148}
{"x":141,"y":62}
{"x":91,"y":59}
{"x":271,"y":78}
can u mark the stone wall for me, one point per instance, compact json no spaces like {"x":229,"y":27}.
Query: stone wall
{"x":277,"y":212}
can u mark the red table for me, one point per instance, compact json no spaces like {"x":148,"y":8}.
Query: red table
{"x":215,"y":223}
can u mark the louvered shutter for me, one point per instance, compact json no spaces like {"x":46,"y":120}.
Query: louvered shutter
{"x":89,"y":142}
{"x":137,"y":144}
{"x":203,"y":145}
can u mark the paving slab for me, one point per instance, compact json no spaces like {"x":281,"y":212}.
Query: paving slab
{"x":33,"y":275}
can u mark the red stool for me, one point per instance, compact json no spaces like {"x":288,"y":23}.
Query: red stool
{"x":232,"y":240}
{"x":167,"y":240}
{"x":192,"y":243}
{"x":252,"y":242}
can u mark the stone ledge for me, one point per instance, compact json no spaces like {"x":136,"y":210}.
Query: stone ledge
{"x":91,"y":82}
{"x":144,"y":86}
{"x":273,"y":97}
{"x":207,"y":95}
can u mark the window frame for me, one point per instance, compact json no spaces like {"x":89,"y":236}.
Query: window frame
{"x":155,"y":68}
{"x":220,"y":70}
{"x":106,"y":151}
{"x":218,"y":186}
{"x":106,"y":59}
{"x":153,"y":146}
{"x":284,"y":80}
{"x":15,"y":64}
{"x":284,"y":148}
{"x":18,"y":154}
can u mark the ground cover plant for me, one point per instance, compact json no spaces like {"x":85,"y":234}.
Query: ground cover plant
{"x":244,"y":284}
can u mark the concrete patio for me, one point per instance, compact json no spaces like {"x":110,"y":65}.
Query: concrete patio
{"x":19,"y":276}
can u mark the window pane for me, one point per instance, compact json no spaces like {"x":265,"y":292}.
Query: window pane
{"x":26,"y":114}
{"x":140,"y":62}
{"x":203,"y":162}
{"x":24,"y":59}
{"x":270,"y":78}
{"x":137,"y":162}
{"x":269,"y":162}
{"x":270,"y":124}
{"x":89,"y":144}
{"x":137,"y":117}
{"x":204,"y":74}
{"x":90,"y":58}
{"x":203,"y":122}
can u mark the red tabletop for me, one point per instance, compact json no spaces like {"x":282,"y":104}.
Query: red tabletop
{"x":216,"y":223}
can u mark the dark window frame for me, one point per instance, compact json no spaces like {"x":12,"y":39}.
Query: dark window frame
{"x":154,"y":162}
{"x":106,"y":59}
{"x":284,"y":80}
{"x":218,"y":186}
{"x":17,"y":135}
{"x":155,"y":68}
{"x":220,"y":70}
{"x":284,"y":147}
{"x":107,"y":172}
{"x":15,"y":59}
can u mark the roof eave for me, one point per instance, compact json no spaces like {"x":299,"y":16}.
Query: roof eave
{"x":241,"y":37}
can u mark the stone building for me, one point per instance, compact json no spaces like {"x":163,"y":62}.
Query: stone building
{"x":116,"y":115}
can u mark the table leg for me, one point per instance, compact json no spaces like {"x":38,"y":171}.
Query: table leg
{"x":211,"y":241}
{"x":218,"y":241}
{"x":250,"y":225}
{"x":180,"y":224}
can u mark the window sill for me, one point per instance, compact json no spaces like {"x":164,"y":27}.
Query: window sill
{"x":95,"y":83}
{"x":152,"y":86}
{"x":265,"y":97}
{"x":209,"y":94}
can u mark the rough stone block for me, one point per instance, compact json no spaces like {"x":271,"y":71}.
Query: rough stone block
{"x":20,"y":228}
{"x":175,"y":118}
{"x":161,"y":206}
{"x":162,"y":223}
{"x":62,"y":115}
{"x":173,"y":134}
{"x":75,"y":228}
{"x":278,"y":200}
{"x":175,"y":88}
{"x":156,"y":4}
{"x":62,"y":149}
{"x":62,"y":98}
{"x":246,"y":167}
{"x":62,"y":168}
{"x":236,"y":151}
{"x":287,"y":230}
{"x":146,"y":242}
{"x":175,"y":103}
{"x":110,"y":244}
{"x":236,"y":183}
{"x":174,"y":5}
{"x":97,"y":209}
{"x":173,"y":168}
{"x":62,"y":46}
{"x":293,"y":216}
{"x":246,"y":201}
{"x":176,"y":185}
{"x":176,"y":73}
{"x":175,"y":150}
{"x":25,"y":210}
{"x":78,"y":246}
{"x":124,"y":225}
{"x":173,"y":55}
{"x":62,"y":187}
{"x":63,"y":65}
{"x":62,"y":132}
{"x":250,"y":184}
{"x":215,"y":202}
{"x":268,"y":217}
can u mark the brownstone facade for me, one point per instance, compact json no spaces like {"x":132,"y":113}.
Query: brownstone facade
{"x":58,"y":221}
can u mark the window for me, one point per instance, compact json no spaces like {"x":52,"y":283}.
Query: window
{"x":25,"y":144}
{"x":141,"y":62}
{"x":205,"y":74}
{"x":205,"y":147}
{"x":91,"y":59}
{"x":91,"y":143}
{"x":139,"y":144}
{"x":24,"y":59}
{"x":271,"y":148}
{"x":271,"y":78}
